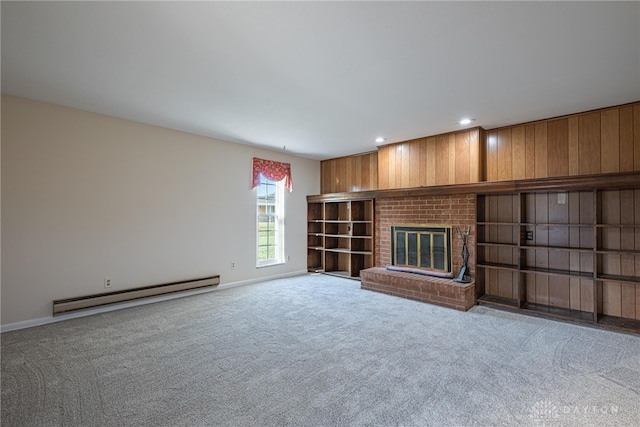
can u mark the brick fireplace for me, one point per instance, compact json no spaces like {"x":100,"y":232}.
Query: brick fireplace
{"x":456,"y":211}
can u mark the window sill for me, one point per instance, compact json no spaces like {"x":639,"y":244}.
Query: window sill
{"x":269,"y":264}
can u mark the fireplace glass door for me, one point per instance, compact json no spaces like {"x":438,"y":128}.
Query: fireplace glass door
{"x":422,"y":247}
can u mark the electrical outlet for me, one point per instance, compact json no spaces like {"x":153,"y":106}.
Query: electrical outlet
{"x":562,"y":198}
{"x":233,"y":265}
{"x":107,"y":282}
{"x":288,"y":257}
{"x":527,"y":235}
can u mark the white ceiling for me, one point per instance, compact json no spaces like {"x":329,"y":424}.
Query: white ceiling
{"x":323,"y":79}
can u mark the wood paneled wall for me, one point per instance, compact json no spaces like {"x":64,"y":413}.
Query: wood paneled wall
{"x":595,"y":142}
{"x":452,"y":158}
{"x":602,"y":141}
{"x":352,"y":173}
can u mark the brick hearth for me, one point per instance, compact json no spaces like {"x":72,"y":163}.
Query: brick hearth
{"x":433,"y":290}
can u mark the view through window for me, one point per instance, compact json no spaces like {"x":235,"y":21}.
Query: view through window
{"x":270,"y":216}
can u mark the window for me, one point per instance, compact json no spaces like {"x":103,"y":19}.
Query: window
{"x":270,"y":222}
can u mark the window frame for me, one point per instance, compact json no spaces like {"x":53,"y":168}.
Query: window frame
{"x":278,"y":221}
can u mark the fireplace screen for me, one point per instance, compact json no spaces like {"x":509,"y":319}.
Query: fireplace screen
{"x":427,"y":247}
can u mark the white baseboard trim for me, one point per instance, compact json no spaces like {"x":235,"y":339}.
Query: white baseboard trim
{"x":51,"y":319}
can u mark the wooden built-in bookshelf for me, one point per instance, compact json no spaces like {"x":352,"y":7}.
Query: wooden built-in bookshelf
{"x":340,"y":238}
{"x":569,"y":254}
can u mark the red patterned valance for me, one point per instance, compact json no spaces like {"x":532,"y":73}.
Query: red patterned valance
{"x":275,"y":171}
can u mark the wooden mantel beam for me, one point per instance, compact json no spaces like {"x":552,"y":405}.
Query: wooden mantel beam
{"x":559,"y":184}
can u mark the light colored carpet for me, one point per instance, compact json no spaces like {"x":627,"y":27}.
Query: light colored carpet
{"x":316,"y":350}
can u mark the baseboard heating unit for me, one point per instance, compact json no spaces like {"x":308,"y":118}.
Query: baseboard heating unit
{"x":91,"y":301}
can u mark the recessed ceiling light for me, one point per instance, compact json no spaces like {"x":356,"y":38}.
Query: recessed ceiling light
{"x":380,"y":139}
{"x":466,"y":121}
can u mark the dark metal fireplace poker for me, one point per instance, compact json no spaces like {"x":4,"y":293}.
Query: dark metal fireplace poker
{"x":463,"y":276}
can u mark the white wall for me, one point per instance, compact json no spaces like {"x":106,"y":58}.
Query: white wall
{"x":86,"y":196}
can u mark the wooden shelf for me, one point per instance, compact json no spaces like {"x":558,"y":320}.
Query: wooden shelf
{"x":340,"y":273}
{"x":559,"y":241}
{"x":498,"y":266}
{"x":345,"y":245}
{"x":557,"y":272}
{"x":558,"y":248}
{"x":616,"y":278}
{"x":546,"y":310}
{"x":498,"y":245}
{"x":498,"y":301}
{"x":617,"y":252}
{"x":559,"y":312}
{"x":552,"y":224}
{"x":622,"y":323}
{"x":623,"y":180}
